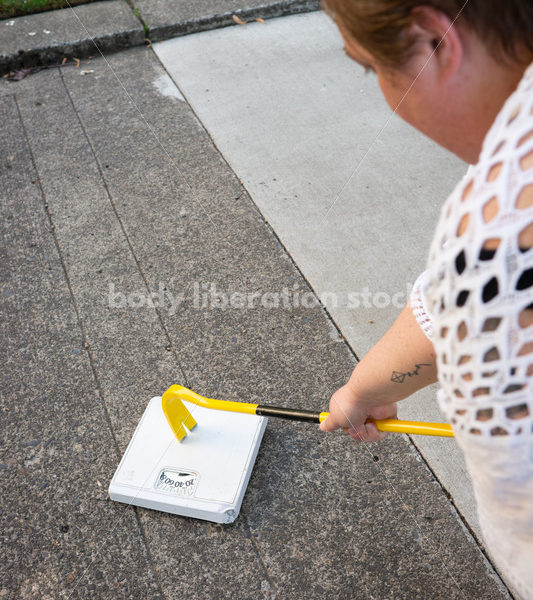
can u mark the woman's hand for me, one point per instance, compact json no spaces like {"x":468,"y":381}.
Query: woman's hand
{"x":351,"y":412}
{"x":402,"y":362}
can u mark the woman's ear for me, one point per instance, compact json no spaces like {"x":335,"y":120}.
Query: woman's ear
{"x":437,"y":41}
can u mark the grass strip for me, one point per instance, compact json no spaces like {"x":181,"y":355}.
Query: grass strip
{"x":17,"y":8}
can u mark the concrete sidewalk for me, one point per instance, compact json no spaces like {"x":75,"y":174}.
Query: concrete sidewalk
{"x":352,"y":191}
{"x":111,"y":185}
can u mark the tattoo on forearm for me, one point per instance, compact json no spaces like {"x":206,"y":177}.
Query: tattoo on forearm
{"x":399,"y":377}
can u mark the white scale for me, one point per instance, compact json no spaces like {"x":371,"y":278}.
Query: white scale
{"x":204,"y":476}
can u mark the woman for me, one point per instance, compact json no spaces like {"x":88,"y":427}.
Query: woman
{"x":461,"y":73}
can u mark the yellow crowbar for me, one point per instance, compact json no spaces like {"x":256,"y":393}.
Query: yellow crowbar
{"x":179,"y":417}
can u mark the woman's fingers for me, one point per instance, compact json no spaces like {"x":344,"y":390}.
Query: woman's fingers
{"x":330,"y":424}
{"x":374,"y":435}
{"x":365,"y":433}
{"x":351,"y":413}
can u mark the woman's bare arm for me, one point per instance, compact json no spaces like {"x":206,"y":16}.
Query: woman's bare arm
{"x":401,"y":363}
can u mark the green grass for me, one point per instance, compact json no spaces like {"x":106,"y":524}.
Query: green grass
{"x":15,"y":8}
{"x":138,"y":15}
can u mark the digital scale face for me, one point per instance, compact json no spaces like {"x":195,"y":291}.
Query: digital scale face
{"x":204,"y":476}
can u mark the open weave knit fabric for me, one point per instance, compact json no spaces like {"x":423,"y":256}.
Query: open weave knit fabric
{"x":475,"y":303}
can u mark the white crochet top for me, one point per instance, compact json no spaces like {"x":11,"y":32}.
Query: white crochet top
{"x":472,"y":303}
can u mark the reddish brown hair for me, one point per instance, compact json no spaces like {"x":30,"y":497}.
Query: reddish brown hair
{"x":380,"y":26}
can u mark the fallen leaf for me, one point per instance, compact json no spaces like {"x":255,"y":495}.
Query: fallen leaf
{"x":70,"y":578}
{"x":239,"y":21}
{"x":259,"y":20}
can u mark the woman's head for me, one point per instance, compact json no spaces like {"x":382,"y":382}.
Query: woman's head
{"x":445,"y":66}
{"x":383,"y":27}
